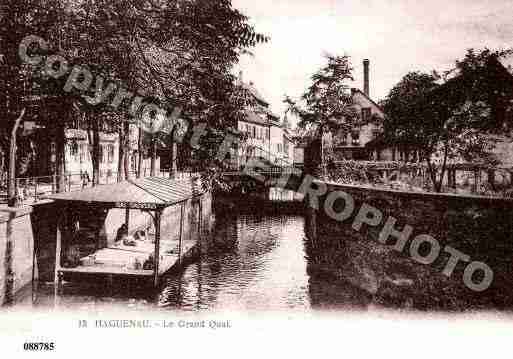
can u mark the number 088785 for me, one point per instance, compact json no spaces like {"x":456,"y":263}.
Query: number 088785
{"x":39,"y":346}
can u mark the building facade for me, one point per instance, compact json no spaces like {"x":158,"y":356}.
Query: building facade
{"x":352,"y":145}
{"x":267,"y":139}
{"x":78,"y":154}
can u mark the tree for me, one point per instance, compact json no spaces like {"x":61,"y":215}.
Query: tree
{"x":174,"y":51}
{"x":401,"y":124}
{"x":327,"y":105}
{"x":452,"y":121}
{"x":17,"y":88}
{"x":179,"y":55}
{"x":195,"y":57}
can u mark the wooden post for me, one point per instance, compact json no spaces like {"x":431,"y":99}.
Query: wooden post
{"x":491,"y":178}
{"x":34,"y":267}
{"x":54,"y":183}
{"x":180,"y":235}
{"x":127,"y":219}
{"x":157,"y":247}
{"x":12,"y":198}
{"x":153,"y":156}
{"x":476,"y":181}
{"x":200,"y":225}
{"x":450,"y":178}
{"x":36,"y":198}
{"x":313,"y":225}
{"x":58,"y":251}
{"x":10,"y":263}
{"x":200,"y":218}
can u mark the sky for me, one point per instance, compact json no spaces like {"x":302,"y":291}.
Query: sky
{"x":397,"y":36}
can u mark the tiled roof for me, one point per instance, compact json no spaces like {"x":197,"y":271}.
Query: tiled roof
{"x":251,"y":88}
{"x":356,"y":90}
{"x":253,"y":117}
{"x":151,"y":191}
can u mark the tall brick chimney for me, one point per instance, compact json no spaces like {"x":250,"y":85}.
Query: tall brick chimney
{"x":366,"y":64}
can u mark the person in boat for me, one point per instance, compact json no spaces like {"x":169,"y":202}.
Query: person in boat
{"x":140,"y":235}
{"x":129,"y":241}
{"x":122,"y":232}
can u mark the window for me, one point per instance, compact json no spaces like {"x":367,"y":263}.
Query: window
{"x":73,"y":150}
{"x":110,"y":153}
{"x":83,"y":152}
{"x":254,"y":131}
{"x":366,"y":114}
{"x":102,"y":154}
{"x":268,"y":134}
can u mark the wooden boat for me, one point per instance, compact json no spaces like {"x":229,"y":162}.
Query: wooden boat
{"x":150,"y":195}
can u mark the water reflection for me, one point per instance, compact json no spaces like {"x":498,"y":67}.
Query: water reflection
{"x":249,"y":263}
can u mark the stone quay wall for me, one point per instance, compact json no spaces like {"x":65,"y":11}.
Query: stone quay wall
{"x":479,"y":227}
{"x":16,"y":251}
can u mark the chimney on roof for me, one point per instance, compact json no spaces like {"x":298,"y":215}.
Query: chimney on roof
{"x":366,"y":64}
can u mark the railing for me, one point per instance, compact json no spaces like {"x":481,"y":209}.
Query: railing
{"x":280,"y":159}
{"x":270,"y":171}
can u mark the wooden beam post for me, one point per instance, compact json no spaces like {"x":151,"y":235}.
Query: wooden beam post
{"x":180,"y":235}
{"x":158,"y":214}
{"x":12,"y":199}
{"x":34,"y":268}
{"x":58,"y":250}
{"x":491,"y":178}
{"x":36,"y":198}
{"x":200,"y":225}
{"x":200,"y":218}
{"x":10,"y":263}
{"x":127,"y":219}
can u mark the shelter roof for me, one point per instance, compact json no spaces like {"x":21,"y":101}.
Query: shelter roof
{"x":150,"y":192}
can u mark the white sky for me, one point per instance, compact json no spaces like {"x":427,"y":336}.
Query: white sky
{"x":397,"y":36}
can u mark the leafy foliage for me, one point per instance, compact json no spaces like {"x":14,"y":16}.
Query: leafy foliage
{"x":173,"y":52}
{"x":451,"y":121}
{"x":327,"y":103}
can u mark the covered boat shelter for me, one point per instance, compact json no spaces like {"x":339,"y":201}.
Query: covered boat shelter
{"x":150,"y":195}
